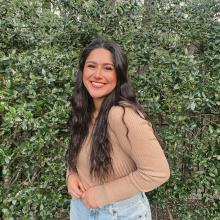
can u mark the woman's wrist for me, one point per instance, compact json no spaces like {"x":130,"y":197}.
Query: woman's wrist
{"x":68,"y":174}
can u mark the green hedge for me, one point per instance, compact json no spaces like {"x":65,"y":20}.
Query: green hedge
{"x":174,"y":63}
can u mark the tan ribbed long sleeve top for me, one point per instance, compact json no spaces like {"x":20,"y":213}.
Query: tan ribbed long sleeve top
{"x":138,"y":161}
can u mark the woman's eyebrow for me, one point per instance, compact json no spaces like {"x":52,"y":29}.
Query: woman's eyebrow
{"x":93,"y":62}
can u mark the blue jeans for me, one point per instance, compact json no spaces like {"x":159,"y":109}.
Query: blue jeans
{"x":134,"y":208}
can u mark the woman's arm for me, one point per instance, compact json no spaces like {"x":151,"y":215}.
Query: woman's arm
{"x":144,"y":149}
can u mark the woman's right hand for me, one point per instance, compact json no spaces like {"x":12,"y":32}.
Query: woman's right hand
{"x":75,"y":186}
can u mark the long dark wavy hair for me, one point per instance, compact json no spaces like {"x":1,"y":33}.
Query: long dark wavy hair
{"x":83,"y":108}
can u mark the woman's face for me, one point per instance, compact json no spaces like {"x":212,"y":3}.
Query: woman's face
{"x":99,"y":74}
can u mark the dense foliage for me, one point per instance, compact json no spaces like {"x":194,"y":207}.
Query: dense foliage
{"x":174,"y":61}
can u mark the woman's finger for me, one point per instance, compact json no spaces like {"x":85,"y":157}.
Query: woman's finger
{"x":82,"y":188}
{"x":74,"y":195}
{"x":85,"y":202}
{"x":75,"y":191}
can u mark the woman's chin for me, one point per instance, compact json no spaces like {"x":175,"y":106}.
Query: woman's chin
{"x":95,"y":95}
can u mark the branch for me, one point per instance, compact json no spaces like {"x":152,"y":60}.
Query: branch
{"x":169,"y":213}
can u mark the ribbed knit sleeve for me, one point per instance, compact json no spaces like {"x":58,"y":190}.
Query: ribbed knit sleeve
{"x":144,"y":149}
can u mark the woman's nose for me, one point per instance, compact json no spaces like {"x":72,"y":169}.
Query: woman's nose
{"x":98,"y":72}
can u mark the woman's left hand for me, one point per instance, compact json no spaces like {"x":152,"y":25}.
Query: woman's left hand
{"x":88,"y":199}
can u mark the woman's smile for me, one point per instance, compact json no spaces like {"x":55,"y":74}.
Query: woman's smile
{"x":97,"y":84}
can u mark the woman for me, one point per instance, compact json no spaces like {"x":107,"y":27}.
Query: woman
{"x":113,"y":156}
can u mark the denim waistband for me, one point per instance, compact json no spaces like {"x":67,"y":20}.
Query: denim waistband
{"x":127,"y":202}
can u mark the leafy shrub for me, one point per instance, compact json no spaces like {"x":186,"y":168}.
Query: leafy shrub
{"x":173,"y":52}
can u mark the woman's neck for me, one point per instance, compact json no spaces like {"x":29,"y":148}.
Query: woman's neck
{"x":97,"y":104}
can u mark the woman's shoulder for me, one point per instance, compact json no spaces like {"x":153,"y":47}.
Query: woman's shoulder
{"x":123,"y":111}
{"x":126,"y":113}
{"x":120,"y":109}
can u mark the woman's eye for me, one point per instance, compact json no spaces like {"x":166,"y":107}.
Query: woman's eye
{"x":91,"y":66}
{"x":108,"y":68}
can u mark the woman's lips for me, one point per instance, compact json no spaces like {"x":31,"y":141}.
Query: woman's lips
{"x":97,"y":84}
